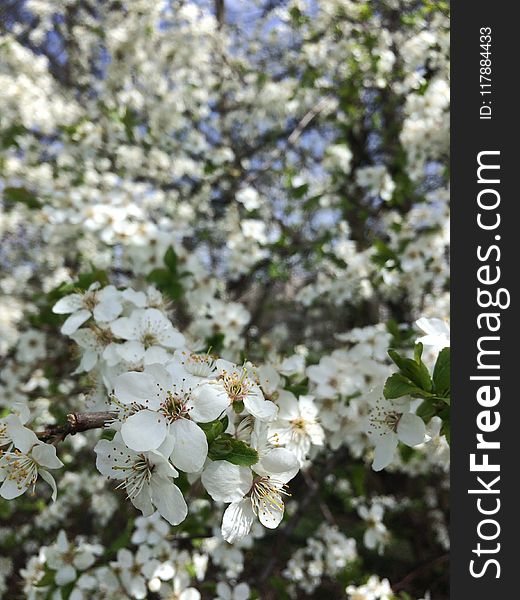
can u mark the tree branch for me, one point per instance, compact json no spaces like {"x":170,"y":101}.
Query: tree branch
{"x":76,"y":423}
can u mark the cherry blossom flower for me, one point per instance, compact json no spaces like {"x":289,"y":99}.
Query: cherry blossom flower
{"x":103,"y":304}
{"x":157,"y":407}
{"x":437,"y":333}
{"x":297,"y":427}
{"x":67,"y":559}
{"x":256,"y":492}
{"x":148,"y":333}
{"x":20,"y":465}
{"x":146,"y":477}
{"x":390,"y":422}
{"x":237,"y":387}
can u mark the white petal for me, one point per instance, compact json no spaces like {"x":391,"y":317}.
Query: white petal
{"x":171,"y":338}
{"x":88,"y":361}
{"x":190,"y":594}
{"x":237,"y":520}
{"x":256,"y":405}
{"x":140,"y":388}
{"x":10,"y":489}
{"x":169,"y":500}
{"x":288,"y":406}
{"x":226,"y":482}
{"x":45,"y":455}
{"x":107,"y":310}
{"x":125,"y":328}
{"x":23,"y":438}
{"x":111,"y":355}
{"x":208,"y":402}
{"x":411,"y":429}
{"x":384,"y":451}
{"x":107,"y":454}
{"x":142,"y":501}
{"x":68,"y":304}
{"x":74,"y":321}
{"x":156,"y":355}
{"x":65,"y":574}
{"x":132,"y":352}
{"x":271,"y":514}
{"x":241,"y":592}
{"x":160,"y":375}
{"x":280,"y":462}
{"x":145,"y":430}
{"x":191,"y":446}
{"x":136,"y":298}
{"x":85,"y":338}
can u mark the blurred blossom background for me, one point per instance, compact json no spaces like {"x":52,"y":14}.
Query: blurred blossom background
{"x":273,"y":176}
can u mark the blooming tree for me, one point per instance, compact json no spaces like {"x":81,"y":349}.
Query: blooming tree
{"x":224,"y":346}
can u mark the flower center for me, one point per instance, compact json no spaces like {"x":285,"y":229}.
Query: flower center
{"x":148,"y":339}
{"x":236,"y":386}
{"x":175,"y":407}
{"x":139,"y":473}
{"x":90,"y":300}
{"x":21,"y":469}
{"x":298,"y":425}
{"x":201,"y":365}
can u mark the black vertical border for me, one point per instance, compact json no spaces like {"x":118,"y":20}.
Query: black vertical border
{"x":469,"y":136}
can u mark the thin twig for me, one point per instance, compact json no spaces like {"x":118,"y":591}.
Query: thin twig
{"x":76,"y":423}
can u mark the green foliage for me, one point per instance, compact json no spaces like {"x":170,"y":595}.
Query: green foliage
{"x":22,"y":195}
{"x":226,"y":447}
{"x":413,"y":379}
{"x":168,"y":280}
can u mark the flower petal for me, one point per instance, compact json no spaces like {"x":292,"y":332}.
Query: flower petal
{"x":143,"y":431}
{"x":226,"y":482}
{"x":45,"y":455}
{"x":132,"y":352}
{"x":191,"y":446}
{"x":125,"y":328}
{"x":140,"y":388}
{"x":11,"y":489}
{"x":411,"y":429}
{"x":169,"y":500}
{"x":384,"y":451}
{"x":237,"y":520}
{"x":75,"y":321}
{"x":270,"y":513}
{"x":23,"y":438}
{"x":68,"y":304}
{"x":279,"y":462}
{"x":208,"y":401}
{"x":256,"y":405}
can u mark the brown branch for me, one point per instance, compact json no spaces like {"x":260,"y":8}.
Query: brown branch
{"x":403,"y":584}
{"x":76,"y":423}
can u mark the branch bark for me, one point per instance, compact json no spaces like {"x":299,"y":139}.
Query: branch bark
{"x":76,"y":423}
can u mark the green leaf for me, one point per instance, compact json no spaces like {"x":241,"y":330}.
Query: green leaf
{"x":23,"y":196}
{"x":441,"y":373}
{"x":234,"y":451}
{"x":47,"y":579}
{"x":167,"y":283}
{"x":415,"y":371}
{"x":215,"y":343}
{"x":426,"y":411}
{"x":397,"y":385}
{"x":417,"y":352}
{"x":242,"y":454}
{"x":85,"y":280}
{"x":213,"y":429}
{"x":170,"y":260}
